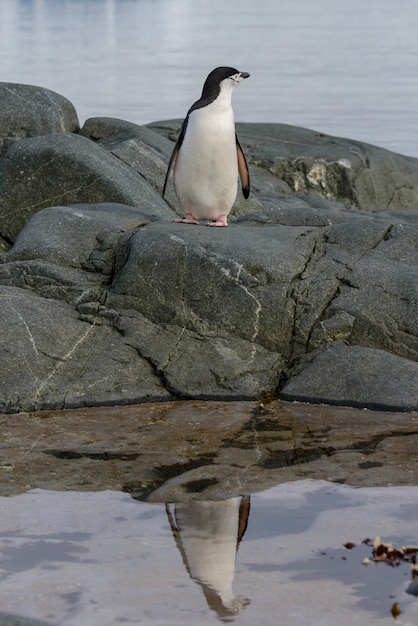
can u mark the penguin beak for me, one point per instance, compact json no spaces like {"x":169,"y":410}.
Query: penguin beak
{"x":240,"y":76}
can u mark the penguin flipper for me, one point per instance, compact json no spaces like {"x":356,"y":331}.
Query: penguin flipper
{"x":243,"y":170}
{"x":175,"y":151}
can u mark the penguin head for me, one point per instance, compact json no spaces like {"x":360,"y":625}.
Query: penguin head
{"x":221,"y":78}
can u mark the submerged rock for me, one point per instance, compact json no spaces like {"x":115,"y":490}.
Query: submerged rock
{"x":106,"y":300}
{"x":187,"y":450}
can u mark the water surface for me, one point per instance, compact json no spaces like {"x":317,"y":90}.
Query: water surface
{"x":199,"y":512}
{"x":344,"y":68}
{"x":103,"y":558}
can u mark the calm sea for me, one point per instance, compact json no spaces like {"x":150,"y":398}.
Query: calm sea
{"x":344,"y":68}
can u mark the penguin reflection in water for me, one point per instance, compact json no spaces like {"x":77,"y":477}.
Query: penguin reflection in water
{"x":208,"y":534}
{"x":207,"y":157}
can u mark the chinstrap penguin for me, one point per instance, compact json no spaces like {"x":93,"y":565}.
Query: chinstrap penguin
{"x":207,"y":157}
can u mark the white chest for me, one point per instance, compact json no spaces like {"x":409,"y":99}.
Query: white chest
{"x":206,"y":171}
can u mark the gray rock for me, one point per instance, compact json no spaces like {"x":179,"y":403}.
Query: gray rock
{"x":201,"y":365}
{"x":142,"y":149}
{"x":27,"y":111}
{"x":114,"y":323}
{"x":103,"y":299}
{"x":356,"y":375}
{"x":79,"y":236}
{"x":97,"y":128}
{"x":381,"y":288}
{"x":339,"y":169}
{"x":64,"y":168}
{"x":50,"y":358}
{"x":106,"y":305}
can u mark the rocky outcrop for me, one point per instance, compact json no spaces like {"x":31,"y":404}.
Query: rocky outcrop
{"x":307,"y":162}
{"x":28,"y":111}
{"x":65,"y":168}
{"x":309,"y":293}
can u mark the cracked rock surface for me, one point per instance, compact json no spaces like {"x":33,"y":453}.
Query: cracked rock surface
{"x":311,"y":292}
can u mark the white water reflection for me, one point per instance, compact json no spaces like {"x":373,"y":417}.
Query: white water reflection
{"x":102,"y":558}
{"x":208,"y":535}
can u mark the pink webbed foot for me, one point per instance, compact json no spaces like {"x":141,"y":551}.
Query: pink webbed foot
{"x":221,"y":221}
{"x":189,"y":219}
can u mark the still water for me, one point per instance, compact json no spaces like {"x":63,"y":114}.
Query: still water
{"x":344,"y":68}
{"x":199,"y":513}
{"x":97,"y":559}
